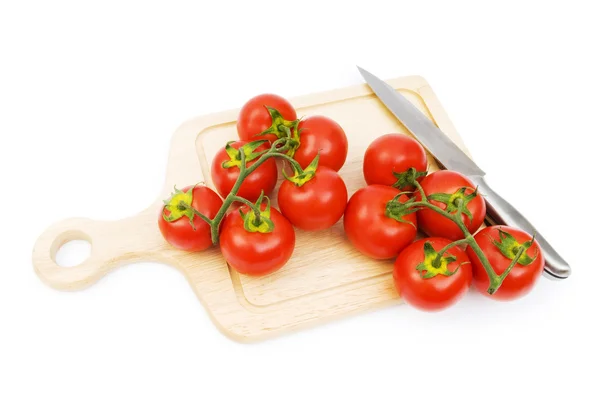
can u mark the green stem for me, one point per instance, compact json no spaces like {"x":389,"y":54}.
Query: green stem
{"x":495,"y":285}
{"x":484,"y":261}
{"x":431,"y":207}
{"x":284,"y":141}
{"x":513,"y":263}
{"x":244,"y":173}
{"x":252,"y":206}
{"x":457,"y":217}
{"x":272,"y":152}
{"x":470,"y":240}
{"x":216,"y":222}
{"x":196,"y":212}
{"x":421,"y":191}
{"x":438,"y":258}
{"x":244,"y":201}
{"x":292,"y":161}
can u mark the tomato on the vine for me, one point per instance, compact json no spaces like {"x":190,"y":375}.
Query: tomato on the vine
{"x":225,"y":170}
{"x":389,"y":158}
{"x":257,"y":249}
{"x":372,"y":226}
{"x":179,"y":224}
{"x":430,"y":284}
{"x":323,"y":136}
{"x":446,"y":189}
{"x":316,"y":204}
{"x":257,"y":116}
{"x":500,"y":245}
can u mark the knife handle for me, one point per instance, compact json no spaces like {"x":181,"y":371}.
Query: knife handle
{"x":504,"y":213}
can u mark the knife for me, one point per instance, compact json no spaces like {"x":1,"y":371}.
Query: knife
{"x":453,"y":158}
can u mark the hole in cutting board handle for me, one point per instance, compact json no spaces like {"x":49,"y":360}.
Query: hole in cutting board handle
{"x":73,"y":253}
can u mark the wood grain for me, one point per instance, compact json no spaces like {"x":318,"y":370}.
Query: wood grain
{"x":325,"y":279}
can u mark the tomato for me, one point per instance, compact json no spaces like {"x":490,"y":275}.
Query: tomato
{"x":368,"y":227}
{"x":317,"y":204}
{"x":452,"y":186}
{"x":521,"y":279}
{"x":393,"y":153}
{"x":256,"y":253}
{"x":322,"y":135}
{"x":263,"y":178}
{"x":179,"y":232}
{"x":254,"y":117}
{"x":426,"y":287}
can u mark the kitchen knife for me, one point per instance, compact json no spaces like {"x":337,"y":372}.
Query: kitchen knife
{"x":453,"y":158}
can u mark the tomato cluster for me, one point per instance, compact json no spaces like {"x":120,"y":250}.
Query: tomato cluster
{"x":432,"y":225}
{"x":429,"y":223}
{"x":257,"y":238}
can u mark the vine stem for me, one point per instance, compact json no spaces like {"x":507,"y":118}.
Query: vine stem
{"x":493,"y":287}
{"x":196,"y":212}
{"x":514,"y":261}
{"x":244,"y":172}
{"x":438,"y":258}
{"x":294,"y":163}
{"x":495,"y":279}
{"x":244,"y":201}
{"x":421,"y":191}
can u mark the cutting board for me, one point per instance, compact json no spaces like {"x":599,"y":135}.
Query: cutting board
{"x":325,"y":279}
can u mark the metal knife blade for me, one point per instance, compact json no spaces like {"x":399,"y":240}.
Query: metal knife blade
{"x":429,"y":135}
{"x":453,"y":158}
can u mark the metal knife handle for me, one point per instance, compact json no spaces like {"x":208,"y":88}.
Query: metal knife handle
{"x":504,"y":213}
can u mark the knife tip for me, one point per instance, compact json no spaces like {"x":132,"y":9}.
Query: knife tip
{"x":363,"y":73}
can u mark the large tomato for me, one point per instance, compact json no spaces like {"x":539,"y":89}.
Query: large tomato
{"x":427,"y":285}
{"x":315,"y":205}
{"x":256,"y":252}
{"x":369,"y":227}
{"x":254,"y":117}
{"x":225,"y":171}
{"x":324,"y":136}
{"x":448,"y":187}
{"x":176,"y":218}
{"x":500,"y":245}
{"x":391,"y":155}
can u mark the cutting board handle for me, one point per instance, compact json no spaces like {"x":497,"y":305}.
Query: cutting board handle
{"x":113,"y":243}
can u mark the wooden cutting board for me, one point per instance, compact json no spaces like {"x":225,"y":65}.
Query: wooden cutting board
{"x":325,"y":278}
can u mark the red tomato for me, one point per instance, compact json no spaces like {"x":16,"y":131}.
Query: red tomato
{"x":448,"y":183}
{"x":320,"y":134}
{"x":426,"y":287}
{"x":263,"y":178}
{"x":256,"y":253}
{"x":368,"y":227}
{"x":254,"y":118}
{"x":316,"y":205}
{"x":180,"y":233}
{"x":521,"y":279}
{"x":393,"y":153}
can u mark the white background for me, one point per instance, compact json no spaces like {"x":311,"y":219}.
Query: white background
{"x":91,"y":93}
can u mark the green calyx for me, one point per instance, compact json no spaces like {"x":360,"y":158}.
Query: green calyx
{"x":179,"y":205}
{"x":302,"y":176}
{"x":433,"y":264}
{"x":509,"y":247}
{"x":397,"y":210}
{"x":282,"y":128}
{"x":407,"y":178}
{"x":235,"y":157}
{"x":456,"y":202}
{"x":258,"y":220}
